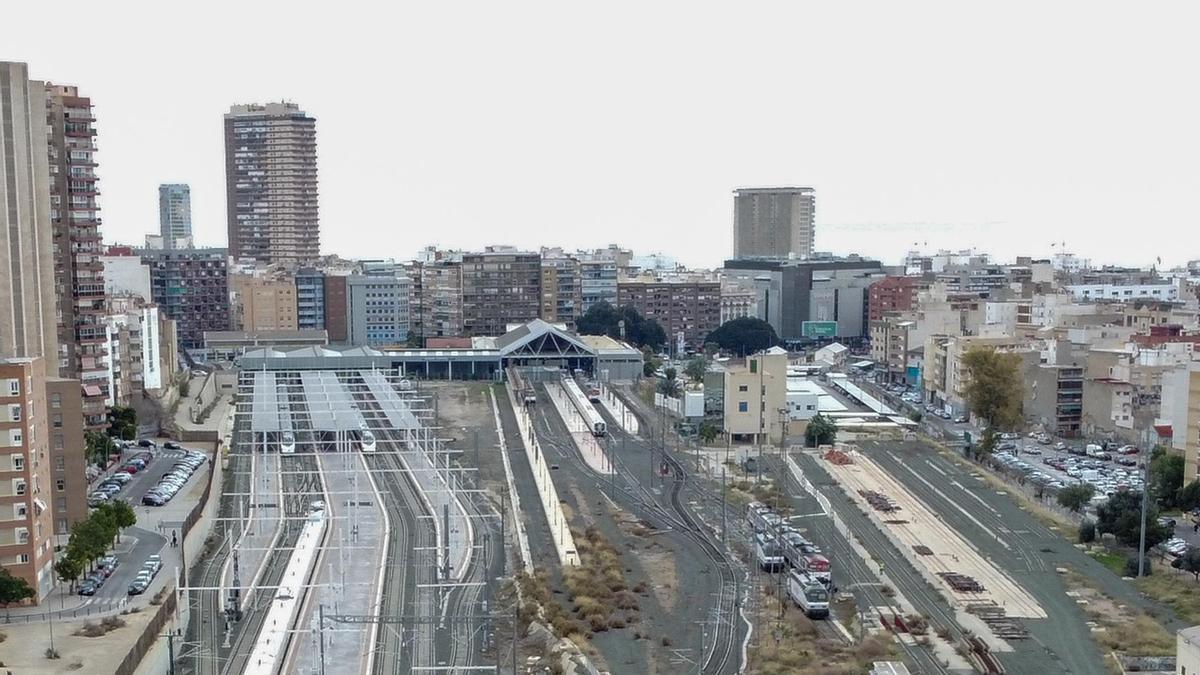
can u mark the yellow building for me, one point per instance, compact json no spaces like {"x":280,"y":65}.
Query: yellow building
{"x":755,"y":404}
{"x":262,"y":303}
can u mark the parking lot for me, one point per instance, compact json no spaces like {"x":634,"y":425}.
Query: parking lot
{"x":155,"y":525}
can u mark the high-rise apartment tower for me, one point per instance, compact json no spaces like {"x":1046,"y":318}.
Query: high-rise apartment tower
{"x":271,"y":183}
{"x":773,"y":222}
{"x":174,"y":212}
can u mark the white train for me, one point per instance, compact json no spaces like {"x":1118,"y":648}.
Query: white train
{"x":809,"y":594}
{"x":271,"y":647}
{"x":367,"y":440}
{"x":287,"y":442}
{"x":590,"y":416}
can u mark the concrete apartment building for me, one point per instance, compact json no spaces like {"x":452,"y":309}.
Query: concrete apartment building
{"x":310,"y":299}
{"x":562,"y":292}
{"x":755,"y":398}
{"x":271,"y":184}
{"x":68,"y":466}
{"x":441,"y":299}
{"x":1054,"y":398}
{"x":597,"y":279}
{"x":262,"y":303}
{"x":27,"y":294}
{"x":136,"y":336}
{"x":683,"y":305}
{"x":26,"y":519}
{"x":737,"y":302}
{"x":773,"y":222}
{"x":945,"y":377}
{"x":893,"y":294}
{"x":78,"y":271}
{"x":501,"y":286}
{"x":892,"y":339}
{"x":378,"y":309}
{"x":174,"y":211}
{"x":125,"y":273}
{"x":191,"y":286}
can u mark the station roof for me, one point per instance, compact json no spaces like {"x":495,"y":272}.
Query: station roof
{"x":330,"y":406}
{"x":395,"y":407}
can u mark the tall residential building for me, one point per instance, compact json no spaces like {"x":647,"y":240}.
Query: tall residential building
{"x":561,"y":292}
{"x":28,"y":324}
{"x":501,"y":286}
{"x":597,"y":280}
{"x":893,"y":294}
{"x":378,"y":308}
{"x":310,"y":299}
{"x":687,"y":306}
{"x":271,"y":183}
{"x":78,"y":270}
{"x":174,"y":211}
{"x":192,"y":287}
{"x":441,"y":299}
{"x":773,"y":222}
{"x":27,"y":529}
{"x":68,"y":465}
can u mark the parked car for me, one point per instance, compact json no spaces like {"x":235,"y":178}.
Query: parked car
{"x":147,"y":443}
{"x":87,"y":588}
{"x":172,"y":445}
{"x":138,"y":586}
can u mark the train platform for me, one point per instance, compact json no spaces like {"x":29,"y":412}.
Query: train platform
{"x":348,"y":579}
{"x":585,"y":441}
{"x":261,"y":523}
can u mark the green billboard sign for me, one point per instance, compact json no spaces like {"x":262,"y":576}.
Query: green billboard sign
{"x":818,"y":329}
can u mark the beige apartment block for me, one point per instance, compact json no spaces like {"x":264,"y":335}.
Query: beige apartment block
{"x":263,"y":303}
{"x":68,"y":466}
{"x":756,"y":397}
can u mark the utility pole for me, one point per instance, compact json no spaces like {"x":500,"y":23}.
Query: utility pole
{"x":1142,"y":536}
{"x":723,"y":506}
{"x":321,"y":634}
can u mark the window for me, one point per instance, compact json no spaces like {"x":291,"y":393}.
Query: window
{"x":60,"y":526}
{"x":14,"y":387}
{"x":18,"y":462}
{"x":57,"y":421}
{"x":754,"y":365}
{"x":742,"y":387}
{"x":60,"y":463}
{"x":743,"y":406}
{"x":60,"y":484}
{"x":14,"y":413}
{"x":58,"y":441}
{"x":24,"y":557}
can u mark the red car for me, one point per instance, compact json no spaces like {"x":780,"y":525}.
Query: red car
{"x":127,"y":468}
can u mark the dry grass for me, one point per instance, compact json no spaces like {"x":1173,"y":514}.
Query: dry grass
{"x":599,"y":594}
{"x":1125,"y":629}
{"x":800,"y":649}
{"x":1180,"y":592}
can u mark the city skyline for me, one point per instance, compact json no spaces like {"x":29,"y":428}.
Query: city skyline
{"x":880,"y":141}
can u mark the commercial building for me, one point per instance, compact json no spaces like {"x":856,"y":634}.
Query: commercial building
{"x":174,"y":211}
{"x":192,"y":287}
{"x":806,"y":299}
{"x":561,"y":289}
{"x":501,"y":286}
{"x":263,"y":303}
{"x":687,"y":307}
{"x":890,"y":346}
{"x":26,"y":519}
{"x":773,"y":222}
{"x":737,"y":302}
{"x":892,"y":294}
{"x":310,"y":299}
{"x":337,"y":308}
{"x":27,"y":295}
{"x":378,"y":309}
{"x":441,"y":299}
{"x":271,"y":183}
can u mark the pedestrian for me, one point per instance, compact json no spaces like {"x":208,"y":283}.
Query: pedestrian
{"x":1196,"y":527}
{"x":174,"y":539}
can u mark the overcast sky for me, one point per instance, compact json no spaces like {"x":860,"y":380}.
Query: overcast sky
{"x":462,"y":124}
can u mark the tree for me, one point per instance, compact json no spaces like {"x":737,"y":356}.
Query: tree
{"x":604,"y":319}
{"x":1121,"y":516}
{"x":122,"y":513}
{"x":1087,"y":531}
{"x":68,"y":568}
{"x":1190,"y":562}
{"x":708,"y":431}
{"x":1131,"y":566}
{"x":994,"y":389}
{"x":745,"y":335}
{"x":696,"y":368}
{"x":1075,"y":497}
{"x":1166,"y":477}
{"x":669,"y":387}
{"x":821,"y":431}
{"x":13,"y":588}
{"x":1189,"y":496}
{"x":122,"y":422}
{"x":98,"y":447}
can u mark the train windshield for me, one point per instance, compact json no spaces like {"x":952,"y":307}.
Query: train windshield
{"x":816,"y":594}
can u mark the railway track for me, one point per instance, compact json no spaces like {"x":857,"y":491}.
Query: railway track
{"x":400,"y":647}
{"x":721,"y":653}
{"x":301,"y":486}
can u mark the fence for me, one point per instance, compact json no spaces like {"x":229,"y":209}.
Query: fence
{"x":148,"y":637}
